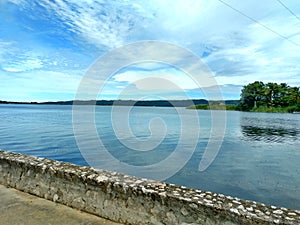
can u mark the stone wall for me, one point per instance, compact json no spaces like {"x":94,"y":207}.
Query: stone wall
{"x":132,"y":200}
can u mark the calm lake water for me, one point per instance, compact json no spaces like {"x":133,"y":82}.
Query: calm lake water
{"x":259,"y":158}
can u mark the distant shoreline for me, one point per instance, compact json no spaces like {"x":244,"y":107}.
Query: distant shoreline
{"x":194,"y":104}
{"x":157,"y":103}
{"x":235,"y":107}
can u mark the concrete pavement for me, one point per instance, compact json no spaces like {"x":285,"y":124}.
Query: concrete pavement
{"x":19,"y":208}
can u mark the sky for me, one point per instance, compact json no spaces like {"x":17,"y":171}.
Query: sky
{"x":47,"y":46}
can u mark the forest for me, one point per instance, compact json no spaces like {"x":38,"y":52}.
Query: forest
{"x":269,"y":97}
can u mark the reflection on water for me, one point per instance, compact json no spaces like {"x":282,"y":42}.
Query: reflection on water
{"x":268,"y":127}
{"x":269,"y":134}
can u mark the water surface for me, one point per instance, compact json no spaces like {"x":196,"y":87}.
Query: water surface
{"x":258,"y":160}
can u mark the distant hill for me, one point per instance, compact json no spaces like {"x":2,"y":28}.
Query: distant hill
{"x":152,"y":103}
{"x":9,"y":102}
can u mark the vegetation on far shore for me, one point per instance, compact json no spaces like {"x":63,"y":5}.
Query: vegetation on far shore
{"x":214,"y":106}
{"x":260,"y":97}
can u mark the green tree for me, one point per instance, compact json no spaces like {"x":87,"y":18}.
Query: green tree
{"x":272,"y":91}
{"x":270,"y":96}
{"x":252,"y":95}
{"x":294,"y":96}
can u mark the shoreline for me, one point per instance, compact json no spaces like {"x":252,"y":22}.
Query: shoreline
{"x":235,"y":108}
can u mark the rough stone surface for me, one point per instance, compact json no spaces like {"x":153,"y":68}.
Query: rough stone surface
{"x":132,"y":200}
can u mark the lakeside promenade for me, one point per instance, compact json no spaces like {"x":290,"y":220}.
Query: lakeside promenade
{"x":19,"y":208}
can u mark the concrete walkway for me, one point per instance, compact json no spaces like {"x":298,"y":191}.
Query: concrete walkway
{"x":19,"y":208}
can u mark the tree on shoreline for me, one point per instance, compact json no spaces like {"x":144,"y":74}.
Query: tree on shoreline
{"x":271,"y":95}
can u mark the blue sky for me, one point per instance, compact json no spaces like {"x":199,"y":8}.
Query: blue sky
{"x":46,"y":46}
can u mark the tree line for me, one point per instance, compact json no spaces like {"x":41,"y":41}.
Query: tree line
{"x":258,"y":96}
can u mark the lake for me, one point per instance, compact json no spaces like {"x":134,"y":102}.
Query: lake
{"x":258,"y":159}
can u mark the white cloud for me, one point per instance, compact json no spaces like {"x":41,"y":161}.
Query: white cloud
{"x":263,"y":55}
{"x":167,"y":78}
{"x":17,"y":2}
{"x":14,"y":59}
{"x":6,"y":48}
{"x":101,"y":24}
{"x":23,"y":65}
{"x":48,"y":82}
{"x":12,"y":69}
